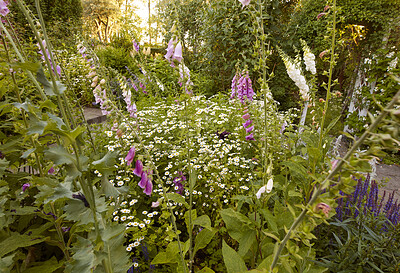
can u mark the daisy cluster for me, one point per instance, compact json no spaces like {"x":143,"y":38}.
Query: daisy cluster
{"x":217,"y":147}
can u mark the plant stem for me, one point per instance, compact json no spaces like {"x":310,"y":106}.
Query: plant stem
{"x":326,"y":181}
{"x":331,"y":65}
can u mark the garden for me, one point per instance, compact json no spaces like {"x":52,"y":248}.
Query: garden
{"x":234,"y":136}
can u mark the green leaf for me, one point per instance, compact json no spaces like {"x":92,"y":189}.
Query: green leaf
{"x":84,"y":258}
{"x":177,"y":198}
{"x":41,"y":77}
{"x":203,"y":221}
{"x":16,"y":240}
{"x":332,"y":124}
{"x":203,"y":238}
{"x":27,"y":153}
{"x":239,"y":228}
{"x":47,"y":266}
{"x":59,"y":155}
{"x":233,"y":262}
{"x":105,"y":165}
{"x":194,"y":216}
{"x":33,"y":67}
{"x":3,"y":166}
{"x":76,"y":211}
{"x":206,"y":270}
{"x":6,"y":263}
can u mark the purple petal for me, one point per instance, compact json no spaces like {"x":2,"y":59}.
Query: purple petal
{"x":248,"y":130}
{"x":250,"y":137}
{"x":178,"y":52}
{"x":143,"y":181}
{"x":25,"y":186}
{"x":247,"y":123}
{"x":129,"y":157}
{"x":149,"y":187}
{"x":138,"y":168}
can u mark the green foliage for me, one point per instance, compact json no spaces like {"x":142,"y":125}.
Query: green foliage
{"x":116,"y":58}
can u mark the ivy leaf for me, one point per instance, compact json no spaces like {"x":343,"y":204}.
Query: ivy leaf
{"x":233,"y":262}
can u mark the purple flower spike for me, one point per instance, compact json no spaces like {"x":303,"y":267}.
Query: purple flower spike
{"x":250,"y":137}
{"x":129,"y":157}
{"x":25,"y":186}
{"x":138,"y":168}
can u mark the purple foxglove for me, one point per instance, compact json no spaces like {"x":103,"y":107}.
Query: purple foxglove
{"x":247,"y":123}
{"x":138,"y":168}
{"x":250,"y":137}
{"x":244,"y":2}
{"x":248,"y":130}
{"x":3,"y":8}
{"x":178,"y":52}
{"x":149,"y":187}
{"x":170,"y":49}
{"x":129,"y":157}
{"x":143,"y":181}
{"x":246,"y":116}
{"x":155,"y":204}
{"x":51,"y":170}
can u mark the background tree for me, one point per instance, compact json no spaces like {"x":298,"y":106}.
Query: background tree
{"x":102,"y":16}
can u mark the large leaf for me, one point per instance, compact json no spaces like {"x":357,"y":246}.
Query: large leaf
{"x":41,"y":77}
{"x":78,"y":212}
{"x":3,"y":166}
{"x":6,"y":263}
{"x":203,"y":221}
{"x":48,"y":266}
{"x":84,"y":258}
{"x":233,"y":262}
{"x":203,"y":238}
{"x":105,"y":165}
{"x":240,"y":228}
{"x":16,"y":240}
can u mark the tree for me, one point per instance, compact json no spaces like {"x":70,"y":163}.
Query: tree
{"x":102,"y":14}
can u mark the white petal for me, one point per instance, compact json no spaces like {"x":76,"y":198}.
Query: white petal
{"x":260,"y":191}
{"x":270,"y":184}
